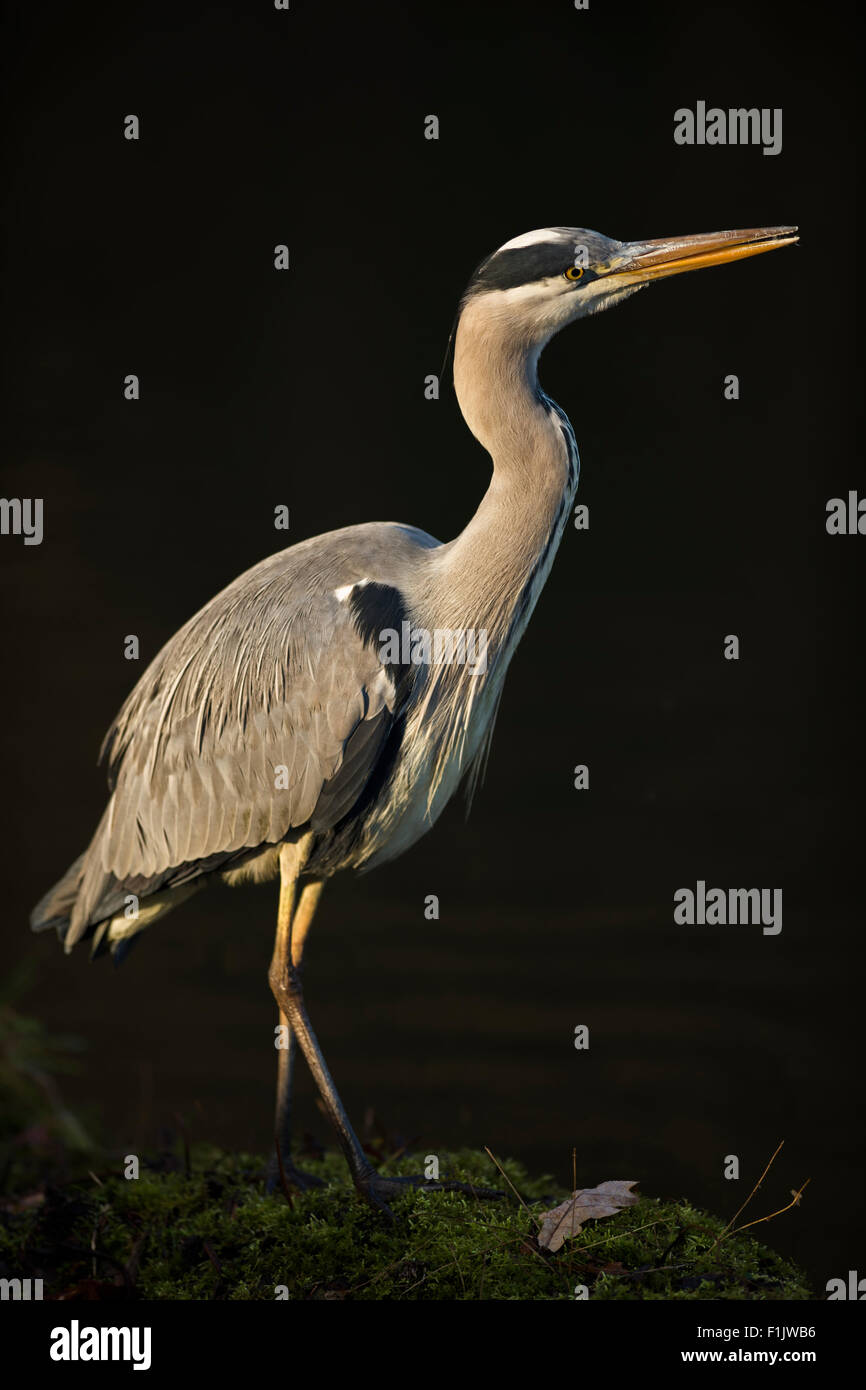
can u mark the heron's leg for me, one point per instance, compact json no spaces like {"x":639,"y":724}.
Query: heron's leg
{"x":285,"y":983}
{"x":286,"y":987}
{"x":304,"y":910}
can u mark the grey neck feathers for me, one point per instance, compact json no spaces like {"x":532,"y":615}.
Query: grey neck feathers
{"x":485,"y":575}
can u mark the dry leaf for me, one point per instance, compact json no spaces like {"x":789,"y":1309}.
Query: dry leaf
{"x":588,"y":1203}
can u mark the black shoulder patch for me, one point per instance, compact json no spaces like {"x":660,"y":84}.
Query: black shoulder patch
{"x":377,"y":611}
{"x":376,"y":608}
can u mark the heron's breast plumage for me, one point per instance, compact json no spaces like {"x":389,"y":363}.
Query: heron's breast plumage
{"x":451,"y":712}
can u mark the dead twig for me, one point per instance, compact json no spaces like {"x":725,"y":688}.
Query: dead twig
{"x":755,"y":1188}
{"x":795,"y":1202}
{"x":283,"y":1180}
{"x":511,"y":1184}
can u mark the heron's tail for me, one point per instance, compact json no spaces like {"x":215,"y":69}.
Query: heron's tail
{"x":55,"y":909}
{"x":90,"y":904}
{"x":85,"y":898}
{"x":81,"y":904}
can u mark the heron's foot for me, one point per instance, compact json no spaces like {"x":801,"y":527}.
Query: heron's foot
{"x":378,"y":1189}
{"x":295,"y":1177}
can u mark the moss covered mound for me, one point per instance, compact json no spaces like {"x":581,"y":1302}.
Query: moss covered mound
{"x":211,"y":1232}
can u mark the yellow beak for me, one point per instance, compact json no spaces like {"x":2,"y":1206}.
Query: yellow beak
{"x":641,"y":261}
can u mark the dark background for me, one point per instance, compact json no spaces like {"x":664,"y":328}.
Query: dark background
{"x":306,"y":388}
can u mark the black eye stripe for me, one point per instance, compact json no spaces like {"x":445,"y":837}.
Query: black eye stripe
{"x":509,"y":269}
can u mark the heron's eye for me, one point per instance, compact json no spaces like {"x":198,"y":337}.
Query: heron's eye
{"x":574,"y":272}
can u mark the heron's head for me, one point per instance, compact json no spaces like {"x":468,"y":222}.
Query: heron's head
{"x":537,"y":283}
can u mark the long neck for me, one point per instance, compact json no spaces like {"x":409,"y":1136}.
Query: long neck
{"x":508,"y":545}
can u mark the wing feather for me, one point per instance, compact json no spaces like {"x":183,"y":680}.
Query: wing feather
{"x":277,"y":670}
{"x":257,"y":680}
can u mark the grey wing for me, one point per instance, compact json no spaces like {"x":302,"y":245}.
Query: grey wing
{"x":259,"y":716}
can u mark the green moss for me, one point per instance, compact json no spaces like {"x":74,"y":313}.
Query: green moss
{"x":215,"y":1234}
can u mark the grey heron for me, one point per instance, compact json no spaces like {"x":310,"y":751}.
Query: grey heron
{"x":277,"y":735}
